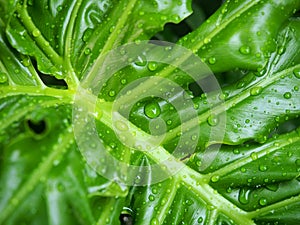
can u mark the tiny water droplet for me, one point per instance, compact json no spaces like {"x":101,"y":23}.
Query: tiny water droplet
{"x":169,"y":122}
{"x":200,"y":220}
{"x":154,"y":221}
{"x":3,"y":78}
{"x":296,"y":73}
{"x":87,"y":51}
{"x":59,"y":8}
{"x":152,"y":66}
{"x":123,"y":81}
{"x":263,"y":201}
{"x":215,"y":178}
{"x":255,"y":91}
{"x":245,"y":50}
{"x":152,"y":110}
{"x":287,"y":95}
{"x":111,"y":93}
{"x":281,"y":50}
{"x":151,"y":198}
{"x":212,"y":120}
{"x":120,"y":125}
{"x":212,"y":60}
{"x":263,"y":168}
{"x":36,"y":33}
{"x":254,"y":156}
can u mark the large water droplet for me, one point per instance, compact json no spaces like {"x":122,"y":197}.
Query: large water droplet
{"x":152,"y":110}
{"x":244,"y":196}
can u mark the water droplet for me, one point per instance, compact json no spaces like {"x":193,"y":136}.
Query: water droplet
{"x":87,"y":51}
{"x":263,"y":168}
{"x":120,"y":125}
{"x":255,"y":91}
{"x":245,"y":50}
{"x":215,"y":178}
{"x":169,"y":122}
{"x":247,"y":121}
{"x":141,"y":61}
{"x":212,"y":120}
{"x":296,"y":73}
{"x":244,"y":196}
{"x":141,"y":13}
{"x":123,"y":81}
{"x":154,"y":221}
{"x":87,"y":34}
{"x":281,"y":50}
{"x":200,"y":220}
{"x":26,"y":62}
{"x":59,"y":8}
{"x":151,"y":198}
{"x":287,"y":95}
{"x":111,"y":93}
{"x":263,"y":201}
{"x":3,"y":78}
{"x":152,"y":66}
{"x":36,"y":33}
{"x":152,"y":110}
{"x":212,"y":60}
{"x":254,"y":156}
{"x":297,"y":162}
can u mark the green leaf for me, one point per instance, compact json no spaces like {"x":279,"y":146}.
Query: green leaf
{"x":250,"y":176}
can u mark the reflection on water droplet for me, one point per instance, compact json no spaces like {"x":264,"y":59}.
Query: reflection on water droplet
{"x":152,"y":110}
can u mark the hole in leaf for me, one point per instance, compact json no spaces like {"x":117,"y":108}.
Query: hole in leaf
{"x":49,"y":80}
{"x":37,"y":127}
{"x":288,"y":126}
